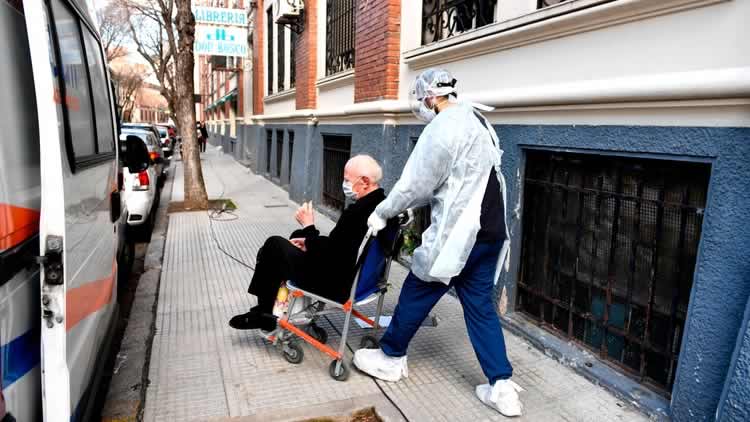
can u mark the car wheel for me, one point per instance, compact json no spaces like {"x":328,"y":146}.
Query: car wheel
{"x":125,"y":262}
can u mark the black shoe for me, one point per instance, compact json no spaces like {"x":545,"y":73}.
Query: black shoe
{"x":253,"y":320}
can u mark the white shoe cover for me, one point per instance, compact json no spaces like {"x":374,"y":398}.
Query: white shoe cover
{"x":503,"y":397}
{"x":379,"y":365}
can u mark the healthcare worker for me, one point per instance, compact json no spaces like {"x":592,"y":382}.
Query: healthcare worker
{"x":455,"y":167}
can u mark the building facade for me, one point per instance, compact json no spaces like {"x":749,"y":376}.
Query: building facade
{"x":625,"y":126}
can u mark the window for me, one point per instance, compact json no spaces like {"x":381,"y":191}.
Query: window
{"x":340,"y":29}
{"x":269,"y":48}
{"x":336,"y":152}
{"x":279,"y":151}
{"x":292,"y":60}
{"x":608,"y":253}
{"x":269,"y":144}
{"x":443,"y":19}
{"x":291,"y":153}
{"x":78,"y":96}
{"x":546,"y":3}
{"x":100,"y":89}
{"x":281,"y":56}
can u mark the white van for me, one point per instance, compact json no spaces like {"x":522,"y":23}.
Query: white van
{"x":59,"y":208}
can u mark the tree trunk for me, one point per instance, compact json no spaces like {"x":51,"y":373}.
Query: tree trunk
{"x":195,"y":188}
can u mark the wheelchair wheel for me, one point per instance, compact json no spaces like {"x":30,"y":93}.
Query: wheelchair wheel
{"x":369,"y":342}
{"x":293,"y":353}
{"x":342,"y":374}
{"x":318,"y":333}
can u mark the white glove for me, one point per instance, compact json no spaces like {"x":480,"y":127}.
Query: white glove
{"x":376,"y":223}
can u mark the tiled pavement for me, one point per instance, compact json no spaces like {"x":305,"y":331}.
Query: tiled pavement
{"x":201,"y":369}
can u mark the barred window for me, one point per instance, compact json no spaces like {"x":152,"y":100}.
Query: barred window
{"x":292,"y":59}
{"x":269,"y":48}
{"x":443,"y":19}
{"x":547,"y":3}
{"x":281,"y":56}
{"x":340,"y":29}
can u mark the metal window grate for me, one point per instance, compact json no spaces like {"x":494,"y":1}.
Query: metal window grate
{"x":608,"y":253}
{"x":292,"y":59}
{"x":340,"y":29}
{"x":269,"y":144}
{"x":279,"y":151}
{"x":281,"y":57}
{"x":547,"y":3}
{"x":443,"y":19}
{"x":291,"y":152}
{"x":269,"y":49}
{"x":336,"y":152}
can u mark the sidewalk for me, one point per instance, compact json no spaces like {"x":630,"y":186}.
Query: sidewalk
{"x":203,"y":370}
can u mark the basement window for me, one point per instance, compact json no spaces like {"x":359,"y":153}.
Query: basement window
{"x":608,"y":254}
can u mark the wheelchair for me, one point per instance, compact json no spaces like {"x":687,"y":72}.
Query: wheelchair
{"x":373,"y":264}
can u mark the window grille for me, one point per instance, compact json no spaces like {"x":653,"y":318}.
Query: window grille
{"x":340,"y":30}
{"x":281,"y":57}
{"x":608,"y":253}
{"x":269,"y":37}
{"x":291,"y":153}
{"x":547,"y":3}
{"x":336,"y":152}
{"x":292,"y":59}
{"x":443,"y":19}
{"x":279,"y":151}
{"x":269,"y":144}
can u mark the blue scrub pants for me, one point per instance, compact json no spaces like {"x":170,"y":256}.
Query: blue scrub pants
{"x":474,"y":286}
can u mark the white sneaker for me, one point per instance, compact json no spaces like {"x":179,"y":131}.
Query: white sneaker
{"x":503,"y":397}
{"x":376,"y":363}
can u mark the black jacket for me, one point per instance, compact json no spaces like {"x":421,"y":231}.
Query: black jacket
{"x":331,"y":259}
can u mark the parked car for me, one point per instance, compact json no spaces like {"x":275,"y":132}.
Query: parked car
{"x":144,"y":126}
{"x":141,"y":190}
{"x":59,"y":198}
{"x":173,"y":139}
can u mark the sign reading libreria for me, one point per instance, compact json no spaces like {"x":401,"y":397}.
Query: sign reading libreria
{"x":220,"y":41}
{"x":218,"y":16}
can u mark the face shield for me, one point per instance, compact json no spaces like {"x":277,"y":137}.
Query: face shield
{"x":430,"y":84}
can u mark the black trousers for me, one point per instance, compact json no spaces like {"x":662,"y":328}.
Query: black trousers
{"x":278,"y":260}
{"x":203,"y":145}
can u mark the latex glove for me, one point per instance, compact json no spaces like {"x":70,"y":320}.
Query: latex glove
{"x":376,"y":223}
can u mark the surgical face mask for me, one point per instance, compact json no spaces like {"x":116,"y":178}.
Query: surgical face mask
{"x":425,"y":113}
{"x":348,"y":188}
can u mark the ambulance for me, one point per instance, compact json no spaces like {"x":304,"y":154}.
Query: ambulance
{"x":60,"y":208}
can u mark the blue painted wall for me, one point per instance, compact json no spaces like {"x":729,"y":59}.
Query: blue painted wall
{"x":721,"y":286}
{"x":735,"y":402}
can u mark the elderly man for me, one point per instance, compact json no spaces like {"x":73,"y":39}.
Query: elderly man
{"x":320,"y":264}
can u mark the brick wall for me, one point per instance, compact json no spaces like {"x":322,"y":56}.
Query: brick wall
{"x":306,"y":59}
{"x":377,"y":49}
{"x":259,"y":58}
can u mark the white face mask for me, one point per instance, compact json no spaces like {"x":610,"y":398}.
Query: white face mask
{"x":348,"y":191}
{"x":425,"y":113}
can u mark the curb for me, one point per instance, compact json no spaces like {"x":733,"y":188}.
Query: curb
{"x":127,"y":390}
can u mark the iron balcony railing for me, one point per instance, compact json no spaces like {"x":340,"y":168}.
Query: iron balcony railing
{"x":608,"y":253}
{"x":340,"y":31}
{"x":443,"y":19}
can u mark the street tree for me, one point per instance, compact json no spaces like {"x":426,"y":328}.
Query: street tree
{"x":128,"y":80}
{"x":163,"y":32}
{"x":113,"y":30}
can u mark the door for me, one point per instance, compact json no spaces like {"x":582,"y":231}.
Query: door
{"x":55,"y":374}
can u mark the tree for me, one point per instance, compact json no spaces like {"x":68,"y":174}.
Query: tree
{"x":113,"y":30}
{"x":155,"y":27}
{"x":128,"y":80}
{"x":195,"y":189}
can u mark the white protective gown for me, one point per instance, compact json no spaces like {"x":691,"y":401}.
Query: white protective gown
{"x":449,"y":169}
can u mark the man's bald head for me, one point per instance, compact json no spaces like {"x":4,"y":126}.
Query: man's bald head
{"x":364,"y":173}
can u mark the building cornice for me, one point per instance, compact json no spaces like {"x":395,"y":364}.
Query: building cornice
{"x":712,"y":84}
{"x":557,"y":21}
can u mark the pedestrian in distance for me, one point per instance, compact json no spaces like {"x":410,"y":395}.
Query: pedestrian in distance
{"x":455,"y":167}
{"x":204,"y":136}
